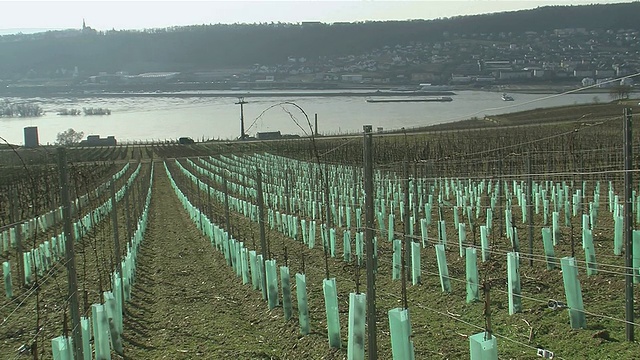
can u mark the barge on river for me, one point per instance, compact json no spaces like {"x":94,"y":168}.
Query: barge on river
{"x":427,"y":99}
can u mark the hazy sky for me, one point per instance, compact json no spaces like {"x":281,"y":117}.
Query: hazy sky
{"x":105,"y":15}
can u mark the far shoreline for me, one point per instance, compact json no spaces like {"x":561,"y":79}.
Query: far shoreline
{"x":278,"y":89}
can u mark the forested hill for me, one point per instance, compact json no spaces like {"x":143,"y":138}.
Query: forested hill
{"x":214,"y":46}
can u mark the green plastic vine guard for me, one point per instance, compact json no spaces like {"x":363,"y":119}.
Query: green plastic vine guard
{"x":245,"y":266}
{"x":424,"y":232}
{"x":549,"y":254}
{"x":556,"y":234}
{"x":545,"y":218}
{"x":577,"y":202}
{"x":331,"y":306}
{"x":101,"y":335}
{"x":589,"y":252}
{"x":356,"y":332}
{"x":332,"y":242}
{"x":238,"y":256}
{"x":312,"y":234}
{"x":396,"y":263}
{"x":442,"y":268}
{"x":47,"y":254}
{"x":442,"y":232}
{"x":86,"y":337}
{"x":416,"y":274}
{"x":224,"y":243}
{"x":260,"y":264}
{"x":346,"y":245}
{"x":573,"y":292}
{"x":255,"y":270}
{"x":294,"y":227}
{"x":411,"y":224}
{"x":462,"y":238}
{"x":593,"y":214}
{"x":489,"y":221}
{"x":6,"y":272}
{"x":286,"y":292}
{"x":536,"y":198}
{"x":484,"y":243}
{"x":13,"y":236}
{"x":62,"y":347}
{"x":36,"y":259}
{"x":26,"y":260}
{"x":471,"y":260}
{"x":118,"y":297}
{"x":515,"y":241}
{"x":112,"y":321}
{"x":390,"y":231}
{"x":585,"y":226}
{"x":456,"y":217}
{"x":610,"y":197}
{"x":481,"y":348}
{"x":427,"y":210}
{"x":513,"y":282}
{"x":272,"y":283}
{"x":617,"y":237}
{"x":400,"y":329}
{"x":471,"y":217}
{"x":637,"y":209}
{"x":305,"y":236}
{"x":375,"y":254}
{"x":636,"y":256}
{"x":359,"y":247}
{"x":507,"y":224}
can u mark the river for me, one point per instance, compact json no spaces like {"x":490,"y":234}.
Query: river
{"x":218,"y":117}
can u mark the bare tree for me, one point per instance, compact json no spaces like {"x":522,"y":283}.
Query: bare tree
{"x":620,"y":92}
{"x":69,"y":137}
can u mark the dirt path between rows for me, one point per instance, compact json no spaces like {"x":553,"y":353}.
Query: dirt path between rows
{"x":187,"y":303}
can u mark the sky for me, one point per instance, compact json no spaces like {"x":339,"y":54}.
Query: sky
{"x":107,"y":15}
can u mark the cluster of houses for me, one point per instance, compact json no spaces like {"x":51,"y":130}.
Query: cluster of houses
{"x":590,"y":56}
{"x":562,"y":54}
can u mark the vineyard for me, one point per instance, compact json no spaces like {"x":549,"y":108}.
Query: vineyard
{"x":506,"y":239}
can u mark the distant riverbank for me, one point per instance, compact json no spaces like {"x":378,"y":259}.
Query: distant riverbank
{"x":548,"y":89}
{"x":277,"y":89}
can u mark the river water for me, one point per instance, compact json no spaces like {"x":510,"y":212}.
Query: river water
{"x":218,"y":117}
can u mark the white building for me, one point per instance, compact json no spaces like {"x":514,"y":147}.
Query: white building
{"x":588,"y":82}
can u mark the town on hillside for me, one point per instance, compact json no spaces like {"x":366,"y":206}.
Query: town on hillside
{"x":577,"y":56}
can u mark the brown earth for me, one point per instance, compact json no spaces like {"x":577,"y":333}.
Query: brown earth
{"x":187,"y":303}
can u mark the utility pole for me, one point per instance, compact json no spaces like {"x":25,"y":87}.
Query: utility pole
{"x":241,"y":102}
{"x":628,"y":222}
{"x":315,"y":128}
{"x":368,"y":236}
{"x":70,"y":258}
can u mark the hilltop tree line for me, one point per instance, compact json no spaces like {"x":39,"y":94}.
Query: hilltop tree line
{"x":217,"y":46}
